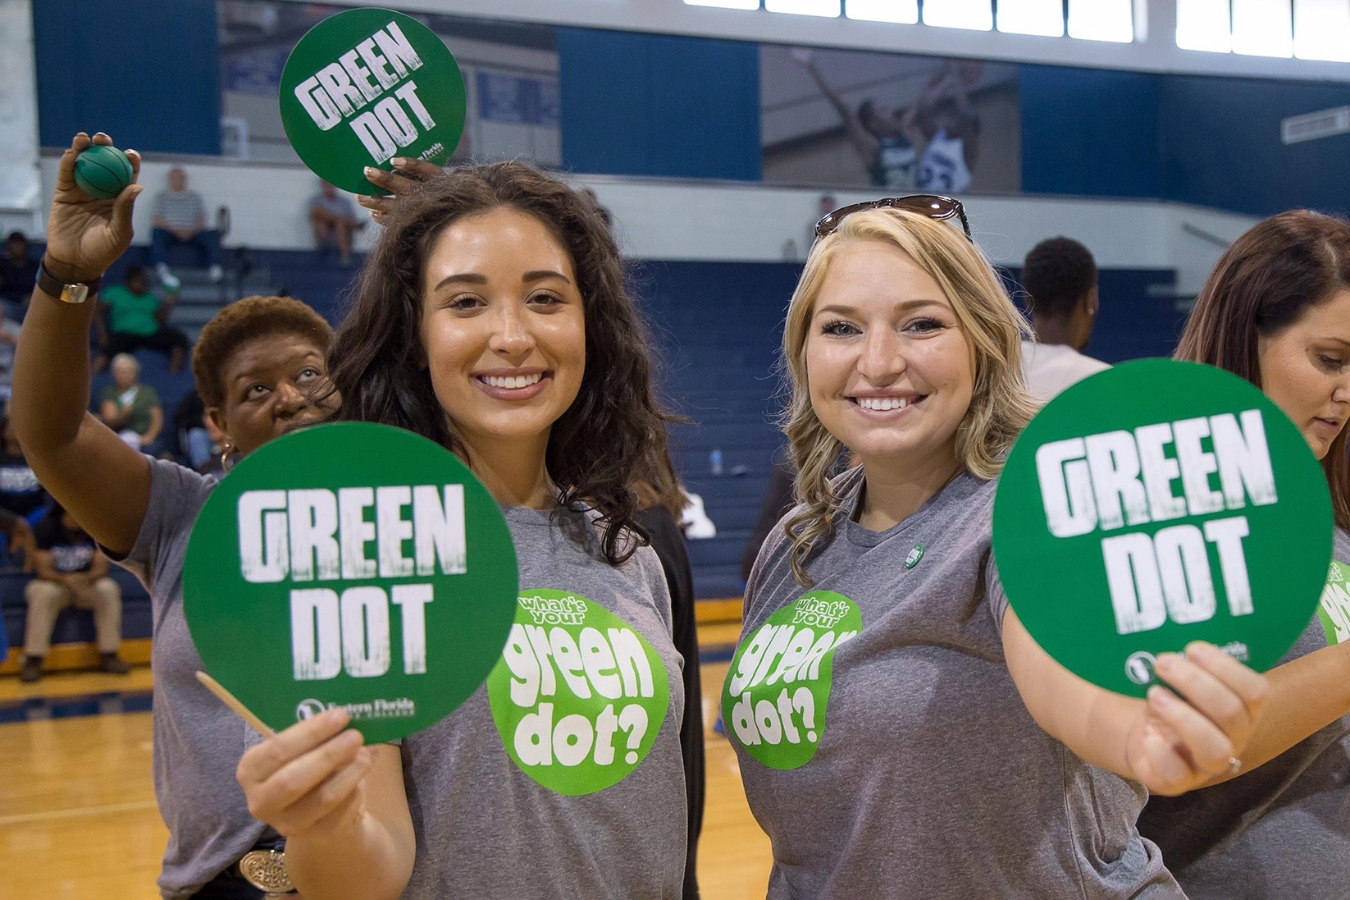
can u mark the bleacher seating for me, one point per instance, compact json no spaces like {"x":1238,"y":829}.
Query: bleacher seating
{"x":717,"y":328}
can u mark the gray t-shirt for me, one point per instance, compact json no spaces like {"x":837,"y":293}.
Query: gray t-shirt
{"x":485,"y":827}
{"x":1282,"y":830}
{"x":197,"y":740}
{"x":930,"y":778}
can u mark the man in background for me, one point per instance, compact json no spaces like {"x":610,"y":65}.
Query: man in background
{"x":180,"y":218}
{"x":70,"y":569}
{"x":1060,"y":276}
{"x":334,"y":221}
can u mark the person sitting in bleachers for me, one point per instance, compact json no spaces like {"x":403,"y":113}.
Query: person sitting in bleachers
{"x":180,"y":218}
{"x":20,"y":545}
{"x":70,"y":570}
{"x":20,"y":492}
{"x":134,"y":316}
{"x":198,"y":438}
{"x":18,"y":271}
{"x":130,"y":408}
{"x":334,"y":220}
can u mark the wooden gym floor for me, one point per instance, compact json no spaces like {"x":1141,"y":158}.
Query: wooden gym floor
{"x":77,"y":808}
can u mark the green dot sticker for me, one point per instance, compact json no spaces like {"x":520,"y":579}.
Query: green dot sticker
{"x":579,"y":695}
{"x":778,"y":687}
{"x":365,"y":86}
{"x":352,"y":565}
{"x":1155,"y":504}
{"x":1334,"y":609}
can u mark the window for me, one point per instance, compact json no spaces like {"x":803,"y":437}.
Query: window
{"x":974,"y":14}
{"x":725,"y":4}
{"x":1322,"y":29}
{"x":1102,"y":20}
{"x":905,"y":12}
{"x":1043,"y":17}
{"x":804,"y":7}
{"x":1204,"y":25}
{"x":1263,"y":28}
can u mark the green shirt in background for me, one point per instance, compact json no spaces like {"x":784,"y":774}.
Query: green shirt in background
{"x":130,"y":313}
{"x":140,"y":399}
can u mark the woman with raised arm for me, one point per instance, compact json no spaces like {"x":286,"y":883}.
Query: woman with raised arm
{"x":957,"y":760}
{"x":260,"y":368}
{"x":492,"y":318}
{"x":1276,"y":311}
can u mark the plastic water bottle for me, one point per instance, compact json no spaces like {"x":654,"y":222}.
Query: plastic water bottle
{"x":715,"y":461}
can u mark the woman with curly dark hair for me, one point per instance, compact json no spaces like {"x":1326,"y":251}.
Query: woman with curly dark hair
{"x":492,"y":318}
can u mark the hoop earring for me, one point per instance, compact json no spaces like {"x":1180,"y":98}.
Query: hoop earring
{"x":225,"y":457}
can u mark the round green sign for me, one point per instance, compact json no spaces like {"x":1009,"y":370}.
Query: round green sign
{"x":351,"y":565}
{"x":779,"y":682}
{"x":365,"y":86}
{"x":1155,"y":504}
{"x":578,"y":696}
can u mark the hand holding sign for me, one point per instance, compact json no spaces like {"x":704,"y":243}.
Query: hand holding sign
{"x":311,"y":773}
{"x":1156,"y":504}
{"x":367,"y":85}
{"x":1180,"y":745}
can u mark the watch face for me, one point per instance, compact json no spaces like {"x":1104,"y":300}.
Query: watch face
{"x":75,"y":293}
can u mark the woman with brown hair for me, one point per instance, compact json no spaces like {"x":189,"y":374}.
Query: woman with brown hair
{"x":492,"y":318}
{"x":260,"y":369}
{"x":955,"y":758}
{"x":1276,"y":311}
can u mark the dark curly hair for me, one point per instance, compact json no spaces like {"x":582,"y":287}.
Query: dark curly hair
{"x":243,"y":321}
{"x":612,"y":436}
{"x":1058,"y":274}
{"x":1264,"y":282}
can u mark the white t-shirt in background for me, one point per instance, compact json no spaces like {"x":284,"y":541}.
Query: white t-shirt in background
{"x":1050,"y":368}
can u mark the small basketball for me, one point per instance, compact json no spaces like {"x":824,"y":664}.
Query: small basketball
{"x":103,"y":172}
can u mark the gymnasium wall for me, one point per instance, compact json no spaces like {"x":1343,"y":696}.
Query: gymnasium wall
{"x":1204,"y":140}
{"x":148,"y":68}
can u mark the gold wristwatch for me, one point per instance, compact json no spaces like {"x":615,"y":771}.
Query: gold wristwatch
{"x":52,"y":286}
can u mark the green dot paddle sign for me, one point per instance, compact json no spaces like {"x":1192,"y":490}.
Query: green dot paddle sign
{"x":579,"y":696}
{"x":351,"y":565}
{"x":367,"y":85}
{"x":1155,"y":504}
{"x":778,"y":687}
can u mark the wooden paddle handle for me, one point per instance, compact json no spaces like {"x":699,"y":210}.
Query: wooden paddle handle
{"x":233,"y":703}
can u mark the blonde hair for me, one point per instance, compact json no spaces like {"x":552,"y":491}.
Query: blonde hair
{"x":1000,"y":406}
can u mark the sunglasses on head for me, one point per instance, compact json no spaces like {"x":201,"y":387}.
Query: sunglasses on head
{"x":931,"y":205}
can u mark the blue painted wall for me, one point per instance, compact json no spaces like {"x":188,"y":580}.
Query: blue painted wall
{"x":641,"y":104}
{"x":1221,"y":145}
{"x":1090,"y":131}
{"x":145,"y":71}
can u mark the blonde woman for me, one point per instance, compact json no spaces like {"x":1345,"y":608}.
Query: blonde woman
{"x":924,"y":745}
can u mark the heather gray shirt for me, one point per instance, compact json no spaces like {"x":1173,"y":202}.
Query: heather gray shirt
{"x":930,"y":780}
{"x":1282,"y":830}
{"x":485,"y":828}
{"x":197,"y":740}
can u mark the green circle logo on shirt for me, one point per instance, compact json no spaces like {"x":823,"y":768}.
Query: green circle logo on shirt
{"x":779,"y":683}
{"x":1334,"y":609}
{"x":1155,"y":504}
{"x":351,"y":565}
{"x":365,"y":86}
{"x":578,"y":695}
